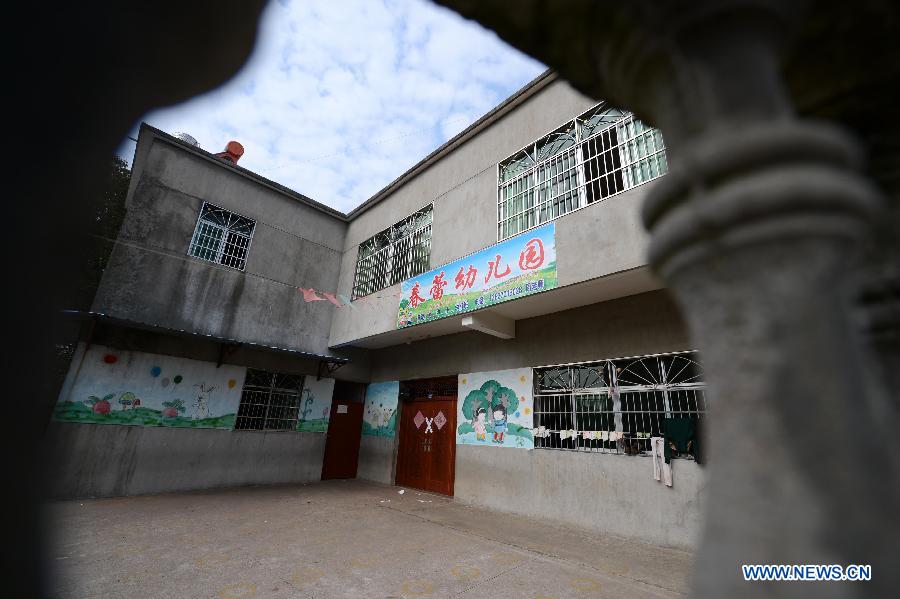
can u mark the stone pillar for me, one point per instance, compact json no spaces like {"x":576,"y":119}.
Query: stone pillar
{"x":757,"y":231}
{"x":879,"y":298}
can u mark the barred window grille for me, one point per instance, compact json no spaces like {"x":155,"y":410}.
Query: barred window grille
{"x":599,"y":154}
{"x":617,"y":405}
{"x":222,"y":237}
{"x":398,"y":253}
{"x":269,"y":401}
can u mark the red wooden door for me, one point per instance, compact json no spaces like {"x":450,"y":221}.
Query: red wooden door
{"x":412,"y":468}
{"x":342,"y":440}
{"x":426,"y":457}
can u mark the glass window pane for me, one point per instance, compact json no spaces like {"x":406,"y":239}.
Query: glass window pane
{"x":221,"y":236}
{"x":206,"y":241}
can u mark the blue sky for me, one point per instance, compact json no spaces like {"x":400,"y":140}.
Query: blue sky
{"x":341,"y":97}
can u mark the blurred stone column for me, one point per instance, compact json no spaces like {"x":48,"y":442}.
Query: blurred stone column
{"x":757,"y":231}
{"x":879,"y":298}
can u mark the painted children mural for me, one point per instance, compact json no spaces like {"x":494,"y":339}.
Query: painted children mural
{"x":137,"y":388}
{"x":498,"y":424}
{"x":315,"y":405}
{"x":380,"y":411}
{"x":494,"y":409}
{"x":479,"y":425}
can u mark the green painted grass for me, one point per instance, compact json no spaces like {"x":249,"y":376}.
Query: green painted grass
{"x":313,"y":426}
{"x":71,"y":411}
{"x":514,"y":430}
{"x":386,"y":430}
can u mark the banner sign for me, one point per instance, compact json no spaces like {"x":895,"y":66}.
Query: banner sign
{"x":519,"y":266}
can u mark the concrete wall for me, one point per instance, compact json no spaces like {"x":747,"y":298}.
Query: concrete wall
{"x":377,"y":459}
{"x":150,"y":277}
{"x":463,"y":187}
{"x":614,"y":494}
{"x":636,"y":325}
{"x":108,"y":460}
{"x":102,"y":460}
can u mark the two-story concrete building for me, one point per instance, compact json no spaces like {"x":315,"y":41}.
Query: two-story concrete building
{"x":485,"y":327}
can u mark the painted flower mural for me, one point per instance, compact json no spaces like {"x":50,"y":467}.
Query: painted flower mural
{"x":315,"y":405}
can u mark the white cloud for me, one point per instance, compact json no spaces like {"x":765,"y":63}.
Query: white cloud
{"x":340,"y":98}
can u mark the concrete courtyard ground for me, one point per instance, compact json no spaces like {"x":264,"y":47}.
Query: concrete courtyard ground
{"x":339,"y":539}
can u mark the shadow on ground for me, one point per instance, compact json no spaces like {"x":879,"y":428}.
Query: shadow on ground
{"x":339,"y":539}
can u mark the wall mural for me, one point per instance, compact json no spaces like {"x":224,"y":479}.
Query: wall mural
{"x":129,"y":387}
{"x":495,"y":409}
{"x":380,"y":411}
{"x":315,"y":405}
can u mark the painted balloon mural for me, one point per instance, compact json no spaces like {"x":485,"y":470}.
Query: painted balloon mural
{"x":137,"y":388}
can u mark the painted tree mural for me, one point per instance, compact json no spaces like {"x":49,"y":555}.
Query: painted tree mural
{"x":483,"y":393}
{"x":315,"y":405}
{"x":487,"y":396}
{"x":308,"y":400}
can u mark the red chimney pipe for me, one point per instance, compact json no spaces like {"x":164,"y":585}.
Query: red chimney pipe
{"x":233,"y":152}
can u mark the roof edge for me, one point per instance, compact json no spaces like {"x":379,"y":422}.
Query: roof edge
{"x":517,"y":98}
{"x":242,"y":171}
{"x":495,"y":114}
{"x":137,"y":324}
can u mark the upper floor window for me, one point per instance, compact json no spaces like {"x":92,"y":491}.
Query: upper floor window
{"x":601,"y":153}
{"x":395,"y":254}
{"x":222,"y":237}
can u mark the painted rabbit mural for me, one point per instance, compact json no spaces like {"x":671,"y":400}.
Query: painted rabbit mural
{"x":201,"y":403}
{"x":380,"y":411}
{"x":136,"y":388}
{"x":497,"y":403}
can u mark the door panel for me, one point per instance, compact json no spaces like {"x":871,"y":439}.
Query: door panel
{"x":412,"y":467}
{"x":427,"y":454}
{"x":342,"y":440}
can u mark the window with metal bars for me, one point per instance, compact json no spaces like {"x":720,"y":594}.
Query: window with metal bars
{"x":399,"y":252}
{"x":269,"y":401}
{"x":599,"y":154}
{"x":222,"y":237}
{"x":616,"y":405}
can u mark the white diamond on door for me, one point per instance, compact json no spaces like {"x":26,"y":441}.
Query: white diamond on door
{"x":440,"y":420}
{"x":418,"y":420}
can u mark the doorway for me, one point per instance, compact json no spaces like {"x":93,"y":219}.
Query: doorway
{"x":342,"y":439}
{"x":426,"y":456}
